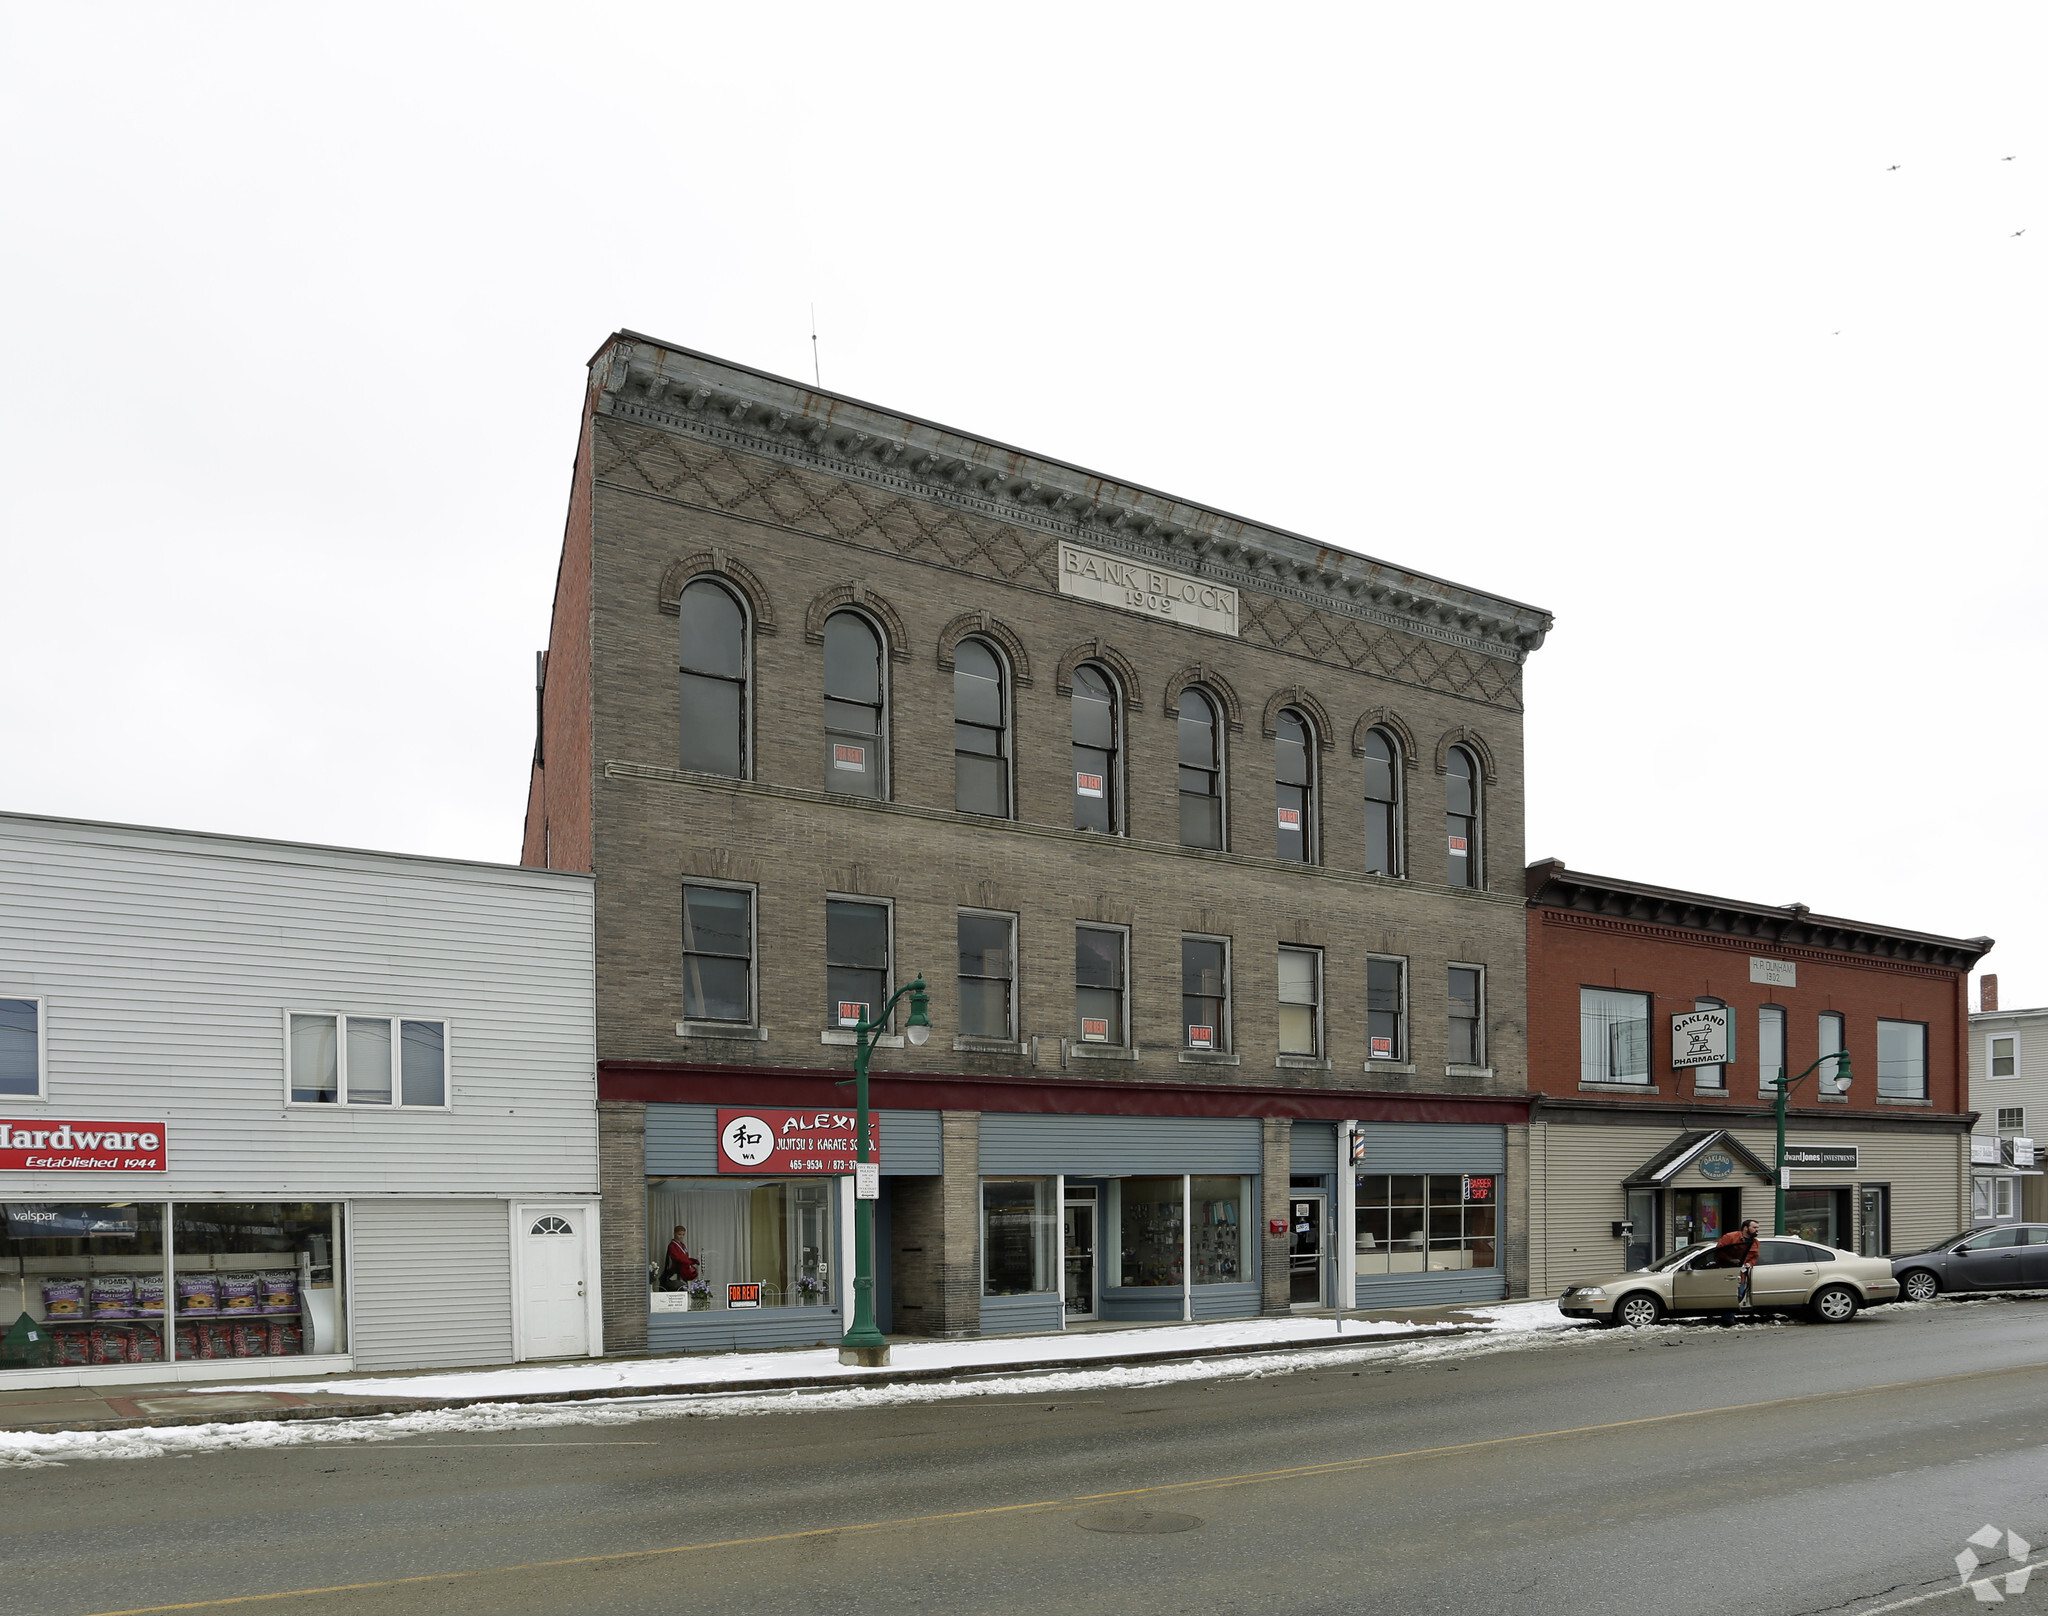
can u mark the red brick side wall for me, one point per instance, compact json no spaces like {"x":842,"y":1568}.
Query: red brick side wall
{"x":558,"y":799}
{"x":1568,"y":950}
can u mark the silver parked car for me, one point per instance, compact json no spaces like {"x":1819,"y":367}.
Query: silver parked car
{"x":1829,"y":1286}
{"x":2011,"y":1257}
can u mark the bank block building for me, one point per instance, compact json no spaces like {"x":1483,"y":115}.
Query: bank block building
{"x":1659,"y":1021}
{"x":1207,"y":838}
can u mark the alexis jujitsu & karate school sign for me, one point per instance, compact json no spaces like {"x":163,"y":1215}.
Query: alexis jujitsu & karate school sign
{"x":40,"y":1145}
{"x":765,"y":1142}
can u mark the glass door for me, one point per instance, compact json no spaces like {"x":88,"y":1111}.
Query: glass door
{"x":1079,"y":1248}
{"x":1305,"y":1251}
{"x":1699,"y":1215}
{"x":1872,"y":1228}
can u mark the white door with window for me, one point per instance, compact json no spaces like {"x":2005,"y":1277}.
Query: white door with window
{"x":556,"y":1246}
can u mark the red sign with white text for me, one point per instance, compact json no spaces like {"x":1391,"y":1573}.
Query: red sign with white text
{"x":46,"y":1145}
{"x":765,"y":1142}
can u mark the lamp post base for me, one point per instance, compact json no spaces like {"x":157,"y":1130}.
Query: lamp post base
{"x":865,"y":1357}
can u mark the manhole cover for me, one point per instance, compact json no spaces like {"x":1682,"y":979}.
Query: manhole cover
{"x":1136,"y":1520}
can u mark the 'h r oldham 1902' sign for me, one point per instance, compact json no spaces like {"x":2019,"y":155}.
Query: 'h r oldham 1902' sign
{"x":1091,"y":575}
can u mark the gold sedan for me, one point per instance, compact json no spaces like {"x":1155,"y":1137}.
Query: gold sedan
{"x":1829,"y":1286}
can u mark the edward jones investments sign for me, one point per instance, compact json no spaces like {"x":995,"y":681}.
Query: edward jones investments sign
{"x":1091,"y":575}
{"x":41,"y":1145}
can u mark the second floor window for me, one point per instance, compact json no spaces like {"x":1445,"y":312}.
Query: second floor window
{"x":981,"y":736}
{"x":1204,"y":993}
{"x":1902,"y":1060}
{"x":718,"y":954}
{"x":1292,"y":787}
{"x":1382,"y":805}
{"x":1461,"y":818}
{"x":1099,"y":985}
{"x":2004,"y":1058}
{"x":1096,"y":744}
{"x":988,"y":973}
{"x":1385,"y":1009}
{"x":713,"y":657}
{"x":1833,"y":1040}
{"x":21,"y":1046}
{"x":1770,"y":1048}
{"x":2012,"y":1119}
{"x":1468,"y":1047}
{"x":856,"y":961}
{"x":1614,"y":1036}
{"x":1201,"y":772}
{"x":368,"y":1060}
{"x":854,"y":740}
{"x":1301,"y":1001}
{"x":1715,"y":1076}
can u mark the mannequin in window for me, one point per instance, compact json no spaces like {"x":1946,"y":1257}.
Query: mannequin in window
{"x":678,"y":1268}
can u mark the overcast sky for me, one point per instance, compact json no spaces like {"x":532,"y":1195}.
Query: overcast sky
{"x":1621,"y":310}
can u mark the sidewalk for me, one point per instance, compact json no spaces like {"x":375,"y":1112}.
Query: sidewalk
{"x":913,"y":1359}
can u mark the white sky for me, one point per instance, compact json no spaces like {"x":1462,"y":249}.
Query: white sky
{"x":1615,"y":309}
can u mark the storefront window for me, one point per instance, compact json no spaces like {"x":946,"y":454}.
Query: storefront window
{"x":725,"y":1242}
{"x":1216,"y":1235}
{"x":99,"y":1283}
{"x":1411,"y":1223}
{"x":1151,"y":1231}
{"x":1812,"y":1215}
{"x":1019,"y":1236}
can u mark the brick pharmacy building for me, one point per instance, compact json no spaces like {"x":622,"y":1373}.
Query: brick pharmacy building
{"x":1207,"y":838}
{"x":1640,"y":1142}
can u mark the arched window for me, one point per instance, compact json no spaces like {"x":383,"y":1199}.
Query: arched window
{"x":981,"y":732}
{"x":1097,"y":741}
{"x":713,"y":659}
{"x":1294,"y":786}
{"x":1382,"y":804}
{"x":1461,"y":817}
{"x":854,"y":740}
{"x":1201,"y":772}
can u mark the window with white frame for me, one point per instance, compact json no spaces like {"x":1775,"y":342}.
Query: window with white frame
{"x":1301,"y":1001}
{"x":718,"y":954}
{"x":2012,"y":1119}
{"x":1614,"y":1036}
{"x":2001,"y":1197}
{"x":1770,"y":1048}
{"x":21,"y":1047}
{"x":340,"y":1058}
{"x":856,"y":961}
{"x":1386,"y":1009}
{"x":988,"y":975}
{"x":1099,"y":956}
{"x":1902,"y":1060}
{"x":1834,"y":1038}
{"x":1715,"y":1076}
{"x":1468,"y":1038}
{"x":1205,"y":993}
{"x":2005,"y":1055}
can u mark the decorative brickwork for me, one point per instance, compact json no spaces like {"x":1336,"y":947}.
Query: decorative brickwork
{"x":622,"y":1180}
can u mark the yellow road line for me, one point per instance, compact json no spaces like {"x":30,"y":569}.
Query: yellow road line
{"x":1246,"y":1478}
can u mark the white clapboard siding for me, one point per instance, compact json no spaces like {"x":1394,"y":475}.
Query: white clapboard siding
{"x":431,"y":1283}
{"x":168,"y":961}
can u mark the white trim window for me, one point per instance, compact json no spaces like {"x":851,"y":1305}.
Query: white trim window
{"x":718,"y":954}
{"x":23,"y":1048}
{"x":1770,"y":1048}
{"x":2012,"y":1119}
{"x":340,"y":1058}
{"x":1467,"y":987}
{"x":1833,"y":1032}
{"x":1301,"y":1001}
{"x":988,"y":974}
{"x":1614,"y":1036}
{"x":1902,"y":1060}
{"x":2002,"y":1055}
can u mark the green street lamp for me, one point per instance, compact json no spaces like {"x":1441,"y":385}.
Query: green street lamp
{"x":863,"y":1344}
{"x":1842,"y":1076}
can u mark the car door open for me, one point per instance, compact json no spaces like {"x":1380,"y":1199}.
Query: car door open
{"x":1703,"y":1285}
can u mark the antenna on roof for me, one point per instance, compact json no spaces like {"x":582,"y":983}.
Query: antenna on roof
{"x":815,"y":377}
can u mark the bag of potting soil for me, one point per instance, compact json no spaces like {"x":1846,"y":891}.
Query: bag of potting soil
{"x":113,"y":1296}
{"x":64,"y":1298}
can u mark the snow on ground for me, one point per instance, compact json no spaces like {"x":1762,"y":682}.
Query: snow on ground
{"x":1511,"y":1326}
{"x":969,"y":1356}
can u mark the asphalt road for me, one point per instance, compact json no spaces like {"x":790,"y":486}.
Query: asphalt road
{"x":1753,"y":1469}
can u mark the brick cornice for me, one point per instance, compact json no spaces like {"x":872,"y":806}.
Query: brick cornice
{"x":1762,"y":947}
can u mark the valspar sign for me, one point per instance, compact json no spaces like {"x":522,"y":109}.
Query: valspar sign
{"x":43,"y":1145}
{"x":1111,"y":581}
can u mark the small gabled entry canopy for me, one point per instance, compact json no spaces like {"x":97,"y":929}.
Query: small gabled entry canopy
{"x":1686,"y":1149}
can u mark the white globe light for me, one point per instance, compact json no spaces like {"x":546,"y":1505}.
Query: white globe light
{"x":917,"y":1035}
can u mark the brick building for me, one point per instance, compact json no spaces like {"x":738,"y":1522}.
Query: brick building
{"x":1207,"y":838}
{"x":1633,"y":1122}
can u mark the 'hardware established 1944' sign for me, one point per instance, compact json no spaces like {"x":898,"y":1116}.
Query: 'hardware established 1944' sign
{"x":1111,"y":581}
{"x":792,"y":1141}
{"x":52,"y":1145}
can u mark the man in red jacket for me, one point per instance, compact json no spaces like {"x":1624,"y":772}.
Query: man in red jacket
{"x":1738,"y":1249}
